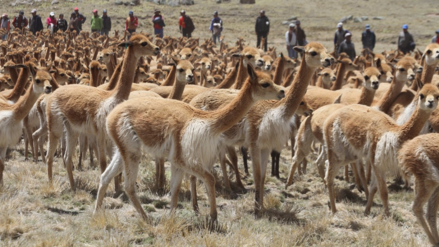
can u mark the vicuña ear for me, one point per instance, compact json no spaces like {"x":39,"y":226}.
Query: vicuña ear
{"x":281,"y":55}
{"x":125,"y":44}
{"x":420,"y":84}
{"x":299,"y":48}
{"x":175,"y":59}
{"x":251,"y":72}
{"x":33,"y":69}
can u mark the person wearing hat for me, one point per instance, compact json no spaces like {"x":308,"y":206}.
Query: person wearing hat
{"x":106,"y":23}
{"x":51,"y":20}
{"x":216,"y":27}
{"x":262,"y":29}
{"x":368,"y":38}
{"x":74,"y":23}
{"x":61,"y":24}
{"x":291,"y":40}
{"x":80,"y":17}
{"x":131,"y":23}
{"x":435,"y":38}
{"x":159,"y":23}
{"x":406,"y":42}
{"x":300,"y":35}
{"x":339,"y":36}
{"x":5,"y":26}
{"x":347,"y":46}
{"x":20,"y":21}
{"x":186,"y":24}
{"x":96,"y":22}
{"x":35,"y":23}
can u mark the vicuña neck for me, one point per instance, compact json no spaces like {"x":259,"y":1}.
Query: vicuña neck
{"x":19,"y":85}
{"x":224,"y":118}
{"x":366,"y":97}
{"x":340,"y":75}
{"x":414,"y":125}
{"x":279,"y":71}
{"x":229,"y":80}
{"x":386,"y":101}
{"x":25,"y":103}
{"x":126,"y":78}
{"x":297,"y":90}
{"x":170,"y":79}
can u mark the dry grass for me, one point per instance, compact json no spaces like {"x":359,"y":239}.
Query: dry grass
{"x":34,"y":213}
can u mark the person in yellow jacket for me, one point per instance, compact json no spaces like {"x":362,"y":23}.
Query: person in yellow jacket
{"x":96,"y":22}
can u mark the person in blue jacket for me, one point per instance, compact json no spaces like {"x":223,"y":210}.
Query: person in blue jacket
{"x":368,"y":38}
{"x":216,"y":26}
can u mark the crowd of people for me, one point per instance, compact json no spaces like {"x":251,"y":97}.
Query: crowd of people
{"x":295,"y":36}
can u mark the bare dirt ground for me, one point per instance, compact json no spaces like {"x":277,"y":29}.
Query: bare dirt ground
{"x":35,"y":213}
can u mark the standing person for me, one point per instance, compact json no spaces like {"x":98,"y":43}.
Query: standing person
{"x":62,"y":23}
{"x":5,"y":26}
{"x":291,"y":40}
{"x":405,"y":40}
{"x":159,"y":23}
{"x":347,"y":46}
{"x":96,"y":22}
{"x":339,"y":36}
{"x":300,"y":35}
{"x":435,"y":39}
{"x":131,"y":23}
{"x":81,"y":19}
{"x":106,"y":23}
{"x":216,"y":26}
{"x":35,"y":25}
{"x":74,"y":23}
{"x":186,"y":24}
{"x":20,"y":21}
{"x":51,"y":20}
{"x":262,"y":29}
{"x":368,"y":38}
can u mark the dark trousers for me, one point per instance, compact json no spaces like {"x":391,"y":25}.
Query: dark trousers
{"x":131,"y":31}
{"x":262,"y":35}
{"x":187,"y":34}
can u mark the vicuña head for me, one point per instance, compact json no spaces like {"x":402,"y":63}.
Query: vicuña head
{"x":371,"y":78}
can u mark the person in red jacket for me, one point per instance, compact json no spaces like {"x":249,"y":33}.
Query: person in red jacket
{"x":52,"y":20}
{"x":131,"y":23}
{"x":159,"y":23}
{"x":20,"y":21}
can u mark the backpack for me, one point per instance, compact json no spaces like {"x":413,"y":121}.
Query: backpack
{"x":189,"y":24}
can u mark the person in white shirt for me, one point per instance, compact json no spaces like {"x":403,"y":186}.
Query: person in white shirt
{"x":291,"y":40}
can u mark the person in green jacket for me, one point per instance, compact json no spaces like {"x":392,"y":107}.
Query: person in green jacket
{"x":96,"y":22}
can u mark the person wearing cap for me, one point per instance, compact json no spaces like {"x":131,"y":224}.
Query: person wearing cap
{"x":300,"y":35}
{"x":216,"y":27}
{"x":51,"y":20}
{"x":81,"y":18}
{"x":159,"y":23}
{"x":131,"y":23}
{"x":435,"y":38}
{"x":368,"y":38}
{"x":406,"y":42}
{"x":96,"y":22}
{"x":186,"y":24}
{"x":5,"y":26}
{"x":262,"y":29}
{"x":339,"y":36}
{"x":106,"y":23}
{"x":347,"y":46}
{"x":35,"y":23}
{"x":61,"y":24}
{"x":291,"y":40}
{"x":20,"y":21}
{"x":74,"y":23}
